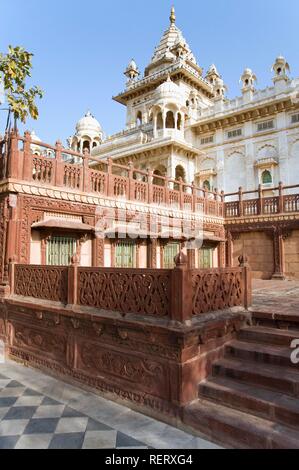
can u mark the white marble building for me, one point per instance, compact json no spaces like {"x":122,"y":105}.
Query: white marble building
{"x":180,"y":123}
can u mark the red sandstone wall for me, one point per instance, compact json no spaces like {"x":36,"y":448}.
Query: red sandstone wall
{"x":259,"y":248}
{"x":292,"y":255}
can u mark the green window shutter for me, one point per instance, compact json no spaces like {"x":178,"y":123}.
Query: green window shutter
{"x":60,"y":250}
{"x":170,"y":252}
{"x":124,"y":254}
{"x":205,"y":260}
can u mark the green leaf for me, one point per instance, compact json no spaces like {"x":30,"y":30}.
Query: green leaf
{"x":15,"y":68}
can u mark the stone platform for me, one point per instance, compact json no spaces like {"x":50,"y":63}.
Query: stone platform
{"x":277,"y":297}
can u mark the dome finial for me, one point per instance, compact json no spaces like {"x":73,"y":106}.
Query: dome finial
{"x":172,"y":16}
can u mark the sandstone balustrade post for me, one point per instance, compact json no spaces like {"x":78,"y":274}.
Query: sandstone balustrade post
{"x":194,"y":197}
{"x":167,"y":190}
{"x":206,"y":200}
{"x":86,"y":174}
{"x":181,"y":195}
{"x":150,"y":180}
{"x":222,"y":196}
{"x":131,"y":182}
{"x":27,"y":157}
{"x":13,"y":155}
{"x":73,"y":281}
{"x":280,"y":198}
{"x":181,"y":290}
{"x":241,"y":209}
{"x":260,"y":203}
{"x":110,"y":182}
{"x":59,"y":173}
{"x":247,"y":281}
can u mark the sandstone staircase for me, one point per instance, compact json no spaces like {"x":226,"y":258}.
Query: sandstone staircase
{"x":251,"y":400}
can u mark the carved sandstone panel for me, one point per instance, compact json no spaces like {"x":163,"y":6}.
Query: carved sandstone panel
{"x":42,"y":282}
{"x":142,"y":292}
{"x":216,"y":289}
{"x":145,"y":374}
{"x":40,"y":342}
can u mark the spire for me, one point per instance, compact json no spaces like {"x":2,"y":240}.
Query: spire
{"x":172,"y":16}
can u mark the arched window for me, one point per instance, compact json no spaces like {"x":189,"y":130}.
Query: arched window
{"x":267,"y":177}
{"x":139,"y":118}
{"x":180,"y":173}
{"x":159,"y":121}
{"x":86,"y":145}
{"x":94,"y":144}
{"x":207,"y":185}
{"x":170,"y":124}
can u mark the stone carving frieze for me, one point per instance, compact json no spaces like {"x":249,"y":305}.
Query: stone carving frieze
{"x":147,"y":372}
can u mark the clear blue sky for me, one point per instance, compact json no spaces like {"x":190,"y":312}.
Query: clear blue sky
{"x":82,"y":48}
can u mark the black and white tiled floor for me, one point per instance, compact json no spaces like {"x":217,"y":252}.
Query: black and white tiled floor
{"x":29,"y":419}
{"x":40,"y":412}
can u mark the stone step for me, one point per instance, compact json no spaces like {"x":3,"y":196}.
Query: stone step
{"x":283,"y":320}
{"x":261,"y":353}
{"x":250,"y":399}
{"x":233,"y":428}
{"x":265,"y":335}
{"x":284,"y":380}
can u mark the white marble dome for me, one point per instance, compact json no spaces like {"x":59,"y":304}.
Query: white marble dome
{"x":88,"y":124}
{"x":132,"y":66}
{"x":169,"y":92}
{"x":34,"y":137}
{"x":35,"y":148}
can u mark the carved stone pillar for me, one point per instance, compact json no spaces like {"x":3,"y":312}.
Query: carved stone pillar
{"x":152,"y":253}
{"x":112,"y":253}
{"x":279,"y":255}
{"x":221,"y":255}
{"x":98,"y":247}
{"x":191,"y":258}
{"x":137,"y":263}
{"x":162,"y":247}
{"x":229,"y":250}
{"x":11,"y":246}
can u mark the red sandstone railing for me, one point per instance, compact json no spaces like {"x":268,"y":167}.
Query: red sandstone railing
{"x":139,"y":291}
{"x":265,"y":201}
{"x":216,"y":289}
{"x":40,"y":163}
{"x":178,"y":294}
{"x":41,"y":282}
{"x":23,"y":159}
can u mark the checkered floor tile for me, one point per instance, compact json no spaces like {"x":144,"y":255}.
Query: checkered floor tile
{"x":30,"y":420}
